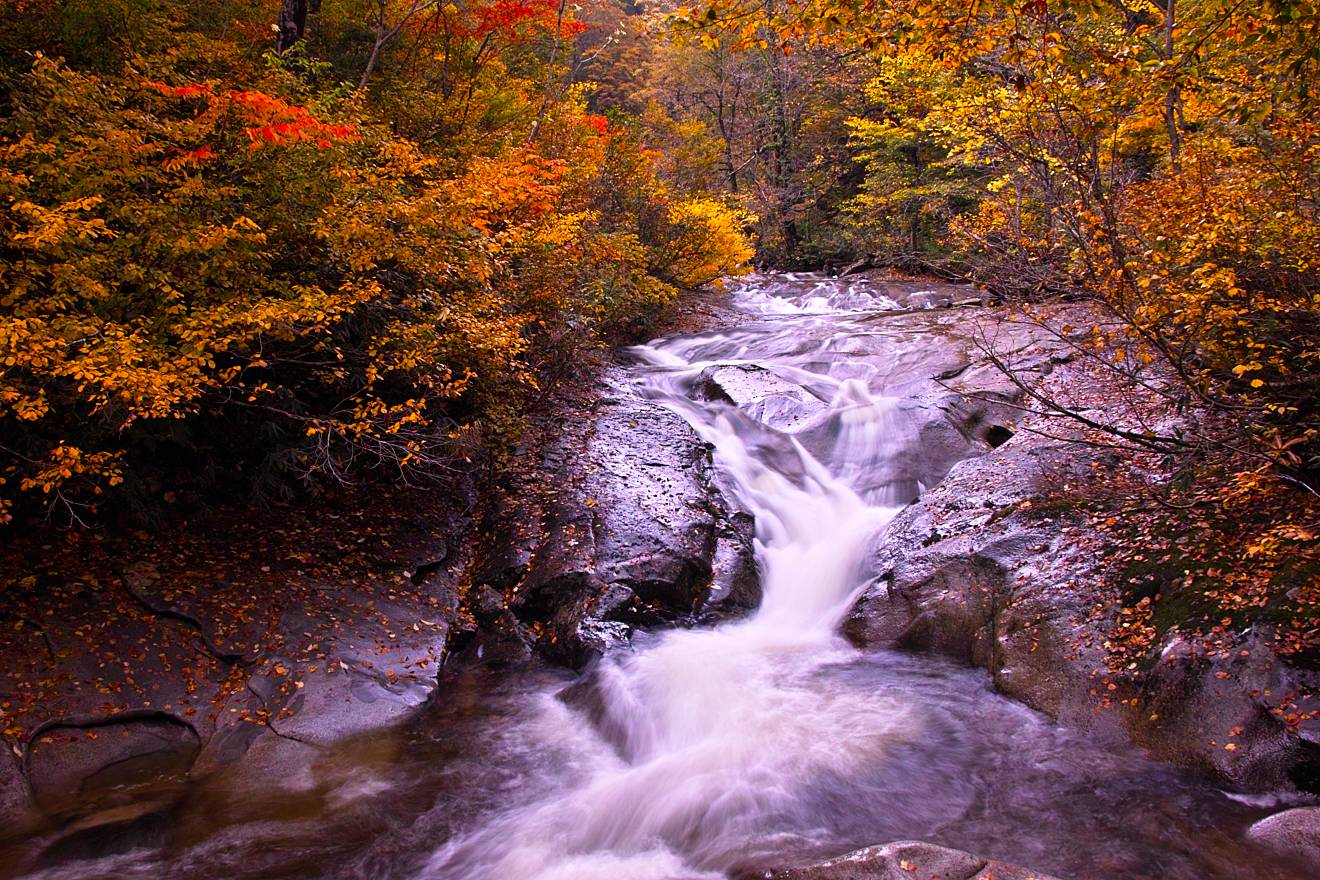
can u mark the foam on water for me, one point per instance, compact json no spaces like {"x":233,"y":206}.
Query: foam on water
{"x":703,"y":753}
{"x":721,"y":730}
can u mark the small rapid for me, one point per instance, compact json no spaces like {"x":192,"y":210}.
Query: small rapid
{"x":720,"y":732}
{"x":724,"y":750}
{"x":731,"y":748}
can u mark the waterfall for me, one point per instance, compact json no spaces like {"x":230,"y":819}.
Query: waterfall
{"x":718,"y":736}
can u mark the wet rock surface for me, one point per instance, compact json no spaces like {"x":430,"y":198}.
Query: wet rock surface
{"x":761,"y":394}
{"x":994,"y":567}
{"x":617,"y":525}
{"x":151,"y":684}
{"x":1294,"y":834}
{"x":69,"y":763}
{"x":614,"y":522}
{"x":906,"y":860}
{"x":975,"y":572}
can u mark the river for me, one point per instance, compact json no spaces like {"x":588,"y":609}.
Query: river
{"x":704,"y":753}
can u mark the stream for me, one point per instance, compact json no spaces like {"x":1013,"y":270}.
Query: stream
{"x":723,"y":750}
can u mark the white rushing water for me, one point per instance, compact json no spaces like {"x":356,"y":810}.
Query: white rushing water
{"x":721,"y":751}
{"x":719,"y":735}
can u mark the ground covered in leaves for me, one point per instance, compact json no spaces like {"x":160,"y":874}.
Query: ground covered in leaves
{"x":182,"y":619}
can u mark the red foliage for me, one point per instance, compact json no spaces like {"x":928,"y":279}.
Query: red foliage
{"x":269,"y":120}
{"x":511,"y":20}
{"x":597,"y":123}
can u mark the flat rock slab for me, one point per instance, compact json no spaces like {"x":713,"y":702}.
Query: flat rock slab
{"x":143,"y":662}
{"x":762,"y":395}
{"x":907,"y":860}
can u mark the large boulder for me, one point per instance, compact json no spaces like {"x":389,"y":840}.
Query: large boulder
{"x":998,"y":566}
{"x":616,"y":523}
{"x":978,"y":572}
{"x":907,"y":860}
{"x":1206,"y":712}
{"x":1293,"y":834}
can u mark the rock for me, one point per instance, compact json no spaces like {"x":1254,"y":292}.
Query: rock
{"x":913,"y":442}
{"x":761,"y":394}
{"x":735,"y":582}
{"x":987,"y":568}
{"x":1199,"y":703}
{"x":859,"y":265}
{"x":110,"y":760}
{"x":265,"y":764}
{"x":18,"y":809}
{"x":109,"y":832}
{"x":332,"y":706}
{"x":907,"y":860}
{"x":1293,"y":834}
{"x":627,"y":530}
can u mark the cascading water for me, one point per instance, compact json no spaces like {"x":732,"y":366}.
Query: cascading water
{"x":720,"y":732}
{"x":713,"y":752}
{"x":731,"y":748}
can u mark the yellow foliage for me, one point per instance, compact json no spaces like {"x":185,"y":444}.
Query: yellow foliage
{"x":238,"y":270}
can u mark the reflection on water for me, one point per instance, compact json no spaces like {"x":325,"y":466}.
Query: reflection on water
{"x":705,"y":752}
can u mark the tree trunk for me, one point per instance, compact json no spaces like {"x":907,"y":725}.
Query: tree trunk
{"x":781,"y":149}
{"x":292,"y":23}
{"x":1173,"y":96}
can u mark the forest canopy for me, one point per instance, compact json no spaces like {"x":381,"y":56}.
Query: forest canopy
{"x":251,"y":246}
{"x":241,"y":253}
{"x":1156,"y":159}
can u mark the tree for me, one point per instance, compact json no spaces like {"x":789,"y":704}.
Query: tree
{"x":292,"y":23}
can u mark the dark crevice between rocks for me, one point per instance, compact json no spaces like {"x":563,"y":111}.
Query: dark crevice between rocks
{"x":111,"y":833}
{"x":997,"y":435}
{"x":1305,"y":774}
{"x":427,"y":570}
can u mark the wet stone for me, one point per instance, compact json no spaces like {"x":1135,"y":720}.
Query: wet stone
{"x":906,"y":860}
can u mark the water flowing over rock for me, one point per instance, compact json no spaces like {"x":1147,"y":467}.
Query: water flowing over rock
{"x":726,"y":543}
{"x":829,"y":410}
{"x":990,"y":568}
{"x":633,"y":532}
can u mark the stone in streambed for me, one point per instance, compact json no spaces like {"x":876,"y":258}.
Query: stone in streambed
{"x":761,"y":394}
{"x":906,"y":860}
{"x":735,"y":581}
{"x":1293,"y":834}
{"x":628,"y":531}
{"x":993,"y":567}
{"x":108,"y":761}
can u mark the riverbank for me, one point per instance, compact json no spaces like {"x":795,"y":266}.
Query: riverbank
{"x":616,"y":524}
{"x":134,"y":662}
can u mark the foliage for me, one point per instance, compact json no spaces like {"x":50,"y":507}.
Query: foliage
{"x":1157,"y":157}
{"x":225,"y":268}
